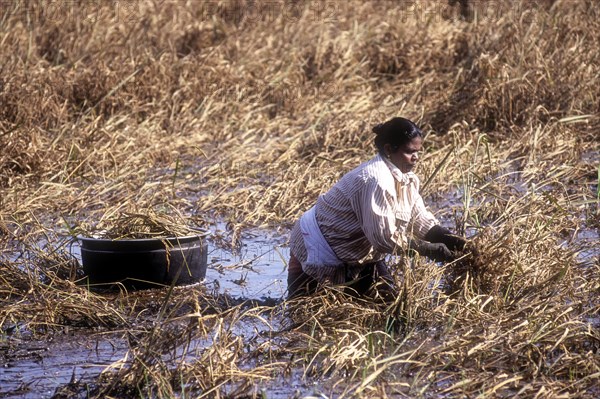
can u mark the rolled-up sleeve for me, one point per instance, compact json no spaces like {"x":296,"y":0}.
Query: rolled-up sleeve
{"x":421,"y":219}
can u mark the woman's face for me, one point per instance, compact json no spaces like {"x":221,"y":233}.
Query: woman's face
{"x":407,"y":156}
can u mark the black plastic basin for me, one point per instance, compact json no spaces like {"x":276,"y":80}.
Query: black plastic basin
{"x":144,"y":263}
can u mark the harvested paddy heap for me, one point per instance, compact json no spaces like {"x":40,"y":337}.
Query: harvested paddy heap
{"x":246,"y":112}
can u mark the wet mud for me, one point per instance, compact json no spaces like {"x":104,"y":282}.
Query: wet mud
{"x":255,"y":272}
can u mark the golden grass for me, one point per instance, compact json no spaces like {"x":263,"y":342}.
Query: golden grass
{"x":247,"y":112}
{"x":147,"y":223}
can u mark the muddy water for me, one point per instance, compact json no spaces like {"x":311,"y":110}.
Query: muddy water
{"x":256,"y":270}
{"x":35,"y":369}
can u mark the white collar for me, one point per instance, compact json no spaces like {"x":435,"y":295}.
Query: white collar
{"x":403,"y":178}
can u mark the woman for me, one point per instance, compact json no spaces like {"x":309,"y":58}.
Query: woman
{"x":374,"y":210}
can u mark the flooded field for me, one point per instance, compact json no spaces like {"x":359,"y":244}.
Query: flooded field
{"x":62,"y":364}
{"x":32,"y":368}
{"x":256,"y":271}
{"x":36,"y":369}
{"x":154,"y":119}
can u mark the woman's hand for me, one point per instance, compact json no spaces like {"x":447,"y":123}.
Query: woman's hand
{"x":436,"y":251}
{"x":438,"y":234}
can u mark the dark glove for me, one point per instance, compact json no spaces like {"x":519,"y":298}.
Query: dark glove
{"x":436,"y":251}
{"x":438,"y":234}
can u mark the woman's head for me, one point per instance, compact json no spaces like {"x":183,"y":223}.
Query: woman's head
{"x":400,"y":141}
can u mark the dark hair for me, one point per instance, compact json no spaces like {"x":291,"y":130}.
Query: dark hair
{"x":396,"y":132}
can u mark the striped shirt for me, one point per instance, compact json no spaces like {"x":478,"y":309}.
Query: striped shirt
{"x":367,"y":214}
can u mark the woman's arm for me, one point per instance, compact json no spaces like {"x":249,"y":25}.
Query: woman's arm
{"x":375,"y":209}
{"x":432,"y":240}
{"x":421,"y":219}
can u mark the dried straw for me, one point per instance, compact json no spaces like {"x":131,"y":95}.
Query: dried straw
{"x":247,"y":112}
